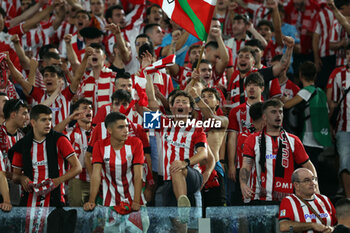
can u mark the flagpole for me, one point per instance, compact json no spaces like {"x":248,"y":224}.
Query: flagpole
{"x":199,"y":61}
{"x":200,"y":57}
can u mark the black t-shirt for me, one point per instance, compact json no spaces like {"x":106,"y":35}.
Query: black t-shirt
{"x":116,"y":69}
{"x":267,"y":74}
{"x":341,"y":229}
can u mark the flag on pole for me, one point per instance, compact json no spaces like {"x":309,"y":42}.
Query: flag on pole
{"x":160,"y":64}
{"x":192,"y":15}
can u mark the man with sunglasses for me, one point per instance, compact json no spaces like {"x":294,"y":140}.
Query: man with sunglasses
{"x":305,"y":210}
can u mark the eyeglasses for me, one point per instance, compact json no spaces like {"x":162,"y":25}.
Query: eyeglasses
{"x":308,"y":180}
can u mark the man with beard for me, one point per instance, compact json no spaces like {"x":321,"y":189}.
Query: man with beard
{"x":79,"y":136}
{"x":245,"y":65}
{"x":271,"y":155}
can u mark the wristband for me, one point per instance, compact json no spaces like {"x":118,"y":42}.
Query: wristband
{"x":197,"y":99}
{"x":188,"y":162}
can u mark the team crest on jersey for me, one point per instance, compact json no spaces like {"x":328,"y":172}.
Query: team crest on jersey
{"x":283,"y":213}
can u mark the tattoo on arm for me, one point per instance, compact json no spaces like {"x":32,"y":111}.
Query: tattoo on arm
{"x":286,"y":57}
{"x":244,"y":175}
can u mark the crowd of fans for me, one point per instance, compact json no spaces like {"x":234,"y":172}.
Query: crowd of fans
{"x":80,"y":77}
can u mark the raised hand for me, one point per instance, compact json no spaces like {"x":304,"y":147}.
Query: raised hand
{"x":67,"y":38}
{"x":115,"y":29}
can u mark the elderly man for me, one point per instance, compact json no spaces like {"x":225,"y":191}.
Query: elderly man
{"x":305,"y":210}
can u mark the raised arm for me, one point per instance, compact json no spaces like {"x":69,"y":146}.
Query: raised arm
{"x":59,"y":16}
{"x":285,"y":60}
{"x":33,"y":69}
{"x":27,"y":87}
{"x":60,"y":127}
{"x":71,"y":55}
{"x":340,"y":17}
{"x":276,"y":21}
{"x":28,"y":13}
{"x":37,"y":18}
{"x":79,"y":73}
{"x":221,"y":64}
{"x":205,"y":109}
{"x":180,"y":38}
{"x":121,"y":44}
{"x":152,"y":101}
{"x":23,"y":59}
{"x":257,"y":35}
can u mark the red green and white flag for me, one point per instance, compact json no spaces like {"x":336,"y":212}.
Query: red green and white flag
{"x":192,"y":15}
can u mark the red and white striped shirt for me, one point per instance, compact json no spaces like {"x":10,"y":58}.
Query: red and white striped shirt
{"x":117,"y":169}
{"x":6,"y":142}
{"x":235,"y":46}
{"x":289,"y":89}
{"x":100,"y":133}
{"x":41,"y":169}
{"x":338,"y":33}
{"x":33,"y":40}
{"x":102,"y":112}
{"x":179,"y":143}
{"x":3,"y":166}
{"x":271,"y":50}
{"x":293,"y":209}
{"x":79,"y":139}
{"x":235,"y":92}
{"x":239,"y":118}
{"x":304,"y":22}
{"x":266,"y":185}
{"x":340,"y":83}
{"x":183,"y":76}
{"x":60,"y":107}
{"x":64,"y":29}
{"x":323,"y":27}
{"x":98,"y":91}
{"x":241,"y":139}
{"x":262,"y":13}
{"x":6,"y":45}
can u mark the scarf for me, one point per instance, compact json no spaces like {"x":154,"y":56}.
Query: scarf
{"x":283,"y":147}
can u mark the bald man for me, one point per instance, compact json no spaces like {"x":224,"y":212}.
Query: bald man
{"x":305,"y":210}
